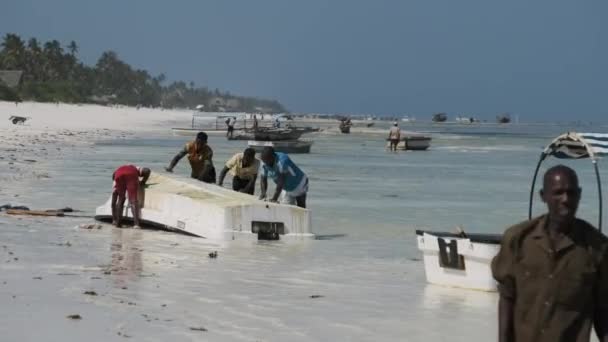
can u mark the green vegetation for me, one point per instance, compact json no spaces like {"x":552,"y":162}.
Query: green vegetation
{"x":52,"y":73}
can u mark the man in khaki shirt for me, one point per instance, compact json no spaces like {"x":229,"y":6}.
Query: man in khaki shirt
{"x":244,"y":170}
{"x":552,"y":271}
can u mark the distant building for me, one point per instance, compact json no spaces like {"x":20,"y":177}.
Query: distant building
{"x":216,"y":102}
{"x":232,"y":104}
{"x":10,"y":78}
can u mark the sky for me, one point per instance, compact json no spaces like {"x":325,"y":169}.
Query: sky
{"x":540,"y":60}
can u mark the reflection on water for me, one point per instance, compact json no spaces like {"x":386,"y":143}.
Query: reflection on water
{"x":455,"y":299}
{"x":126,"y":258}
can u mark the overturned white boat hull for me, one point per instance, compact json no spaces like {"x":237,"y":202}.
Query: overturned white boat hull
{"x":464,"y":262}
{"x":213,"y":212}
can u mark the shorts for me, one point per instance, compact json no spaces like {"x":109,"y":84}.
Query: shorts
{"x":230,"y":128}
{"x":126,"y":181}
{"x":289,"y":197}
{"x":395,"y":141}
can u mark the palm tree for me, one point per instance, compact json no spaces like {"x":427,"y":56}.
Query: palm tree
{"x":13,"y":52}
{"x":73,"y":48}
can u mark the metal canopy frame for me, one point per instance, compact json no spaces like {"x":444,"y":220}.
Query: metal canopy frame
{"x":570,"y":145}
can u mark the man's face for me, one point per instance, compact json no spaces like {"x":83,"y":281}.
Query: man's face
{"x":248,"y":160}
{"x":562,"y":195}
{"x":200,"y":143}
{"x":268,"y":159}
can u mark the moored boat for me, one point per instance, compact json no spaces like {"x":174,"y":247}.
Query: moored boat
{"x":269,"y":134}
{"x":413,"y":141}
{"x":459,"y":260}
{"x":294,"y":146}
{"x":213,"y":212}
{"x":440,"y":117}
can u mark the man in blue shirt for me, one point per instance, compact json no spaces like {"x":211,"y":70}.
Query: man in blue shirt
{"x":289,"y":179}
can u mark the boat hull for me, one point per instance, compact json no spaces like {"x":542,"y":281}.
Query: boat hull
{"x":297,"y":146}
{"x":413,"y":143}
{"x":456,"y":261}
{"x":216,"y":213}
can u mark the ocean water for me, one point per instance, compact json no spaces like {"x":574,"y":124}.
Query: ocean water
{"x":364,"y":272}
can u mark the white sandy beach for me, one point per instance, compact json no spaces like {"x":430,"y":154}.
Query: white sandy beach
{"x":53,"y":130}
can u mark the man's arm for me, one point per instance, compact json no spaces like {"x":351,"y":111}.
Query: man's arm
{"x":505,"y":319}
{"x":220,"y":180}
{"x":263,"y":186}
{"x":601,"y":324}
{"x":601,"y":296}
{"x":251,"y":185}
{"x":503,"y":273}
{"x":176,"y":159}
{"x":279,"y":187}
{"x":145,"y":177}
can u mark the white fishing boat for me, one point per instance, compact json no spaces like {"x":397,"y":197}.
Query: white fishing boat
{"x":213,"y":212}
{"x":459,"y":260}
{"x":293,"y":146}
{"x":464,"y":260}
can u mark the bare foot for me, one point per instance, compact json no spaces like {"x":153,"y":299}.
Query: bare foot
{"x":136,"y":227}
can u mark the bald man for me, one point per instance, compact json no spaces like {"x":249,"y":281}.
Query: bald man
{"x":552,"y":271}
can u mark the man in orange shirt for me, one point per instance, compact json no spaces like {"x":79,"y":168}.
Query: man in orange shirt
{"x":200,"y":156}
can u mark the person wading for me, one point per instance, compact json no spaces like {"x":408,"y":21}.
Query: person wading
{"x":244,"y":170}
{"x":552,"y":271}
{"x":394,"y":135}
{"x":200,"y":156}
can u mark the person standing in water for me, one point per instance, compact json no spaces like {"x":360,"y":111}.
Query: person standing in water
{"x":552,"y":271}
{"x":200,"y":156}
{"x":394,"y":135}
{"x":126,"y":180}
{"x":230,"y":122}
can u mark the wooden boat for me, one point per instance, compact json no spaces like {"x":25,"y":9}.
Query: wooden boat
{"x":345,"y":127}
{"x":503,"y":118}
{"x":213,"y":212}
{"x":192,"y":132}
{"x":464,"y":260}
{"x":269,"y":134}
{"x":412,"y":141}
{"x":295,"y":146}
{"x":440,"y":117}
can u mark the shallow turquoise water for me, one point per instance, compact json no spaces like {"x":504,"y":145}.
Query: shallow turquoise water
{"x":366,"y":204}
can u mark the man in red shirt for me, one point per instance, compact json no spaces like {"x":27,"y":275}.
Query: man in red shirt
{"x":126,"y":181}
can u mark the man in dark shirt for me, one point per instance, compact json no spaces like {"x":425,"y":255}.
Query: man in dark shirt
{"x":552,"y":271}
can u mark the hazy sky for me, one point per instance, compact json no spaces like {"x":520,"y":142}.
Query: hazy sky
{"x":540,"y":59}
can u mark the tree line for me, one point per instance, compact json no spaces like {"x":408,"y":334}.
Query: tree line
{"x":53,"y":73}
